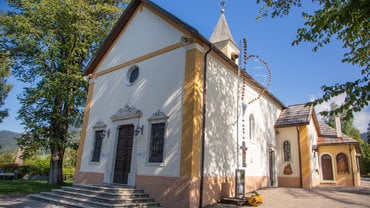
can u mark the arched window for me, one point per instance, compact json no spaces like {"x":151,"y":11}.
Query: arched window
{"x":287,"y":151}
{"x":251,"y":127}
{"x":342,"y":163}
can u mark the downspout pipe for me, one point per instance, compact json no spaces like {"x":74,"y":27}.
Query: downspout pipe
{"x":203,"y":126}
{"x":300,"y":159}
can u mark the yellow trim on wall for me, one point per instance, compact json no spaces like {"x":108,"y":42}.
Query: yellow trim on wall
{"x":305,"y":156}
{"x":192,"y":115}
{"x":84,"y":126}
{"x":139,"y":59}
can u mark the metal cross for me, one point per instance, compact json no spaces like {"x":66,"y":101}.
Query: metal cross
{"x":223,"y":3}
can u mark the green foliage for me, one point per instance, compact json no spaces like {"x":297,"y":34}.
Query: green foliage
{"x":53,"y":41}
{"x":70,"y":158}
{"x":368,"y":133}
{"x":5,"y":87}
{"x":365,"y":159}
{"x":7,"y":158}
{"x":38,"y":165}
{"x":347,"y":21}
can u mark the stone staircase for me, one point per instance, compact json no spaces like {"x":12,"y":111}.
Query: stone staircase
{"x":104,"y":195}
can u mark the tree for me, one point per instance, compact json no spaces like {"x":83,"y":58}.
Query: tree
{"x":368,"y":133}
{"x":5,"y":87}
{"x":51,"y":43}
{"x":345,"y":20}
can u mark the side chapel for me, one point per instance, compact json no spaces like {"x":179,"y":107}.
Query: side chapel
{"x":165,"y":113}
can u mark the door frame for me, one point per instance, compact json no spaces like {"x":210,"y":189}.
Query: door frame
{"x":322,"y":169}
{"x":133,"y":170}
{"x":115,"y":152}
{"x":128,"y":115}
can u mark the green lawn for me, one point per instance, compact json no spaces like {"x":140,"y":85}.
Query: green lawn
{"x":27,"y":186}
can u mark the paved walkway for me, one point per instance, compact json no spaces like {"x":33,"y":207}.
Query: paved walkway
{"x":333,"y":197}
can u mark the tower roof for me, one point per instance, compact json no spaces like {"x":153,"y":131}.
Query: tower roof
{"x":221,"y":31}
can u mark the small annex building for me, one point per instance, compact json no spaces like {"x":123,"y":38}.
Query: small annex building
{"x":313,"y":153}
{"x":171,"y":112}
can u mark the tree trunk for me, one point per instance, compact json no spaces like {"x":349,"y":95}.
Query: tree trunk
{"x":56,"y":166}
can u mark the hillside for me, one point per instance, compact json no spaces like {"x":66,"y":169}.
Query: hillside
{"x":8,"y":141}
{"x":364,"y":136}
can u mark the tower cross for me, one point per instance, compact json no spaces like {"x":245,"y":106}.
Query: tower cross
{"x":223,"y":3}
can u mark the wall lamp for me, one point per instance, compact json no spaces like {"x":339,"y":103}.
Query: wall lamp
{"x":139,"y":130}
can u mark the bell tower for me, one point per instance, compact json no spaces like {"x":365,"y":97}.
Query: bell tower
{"x":223,"y":40}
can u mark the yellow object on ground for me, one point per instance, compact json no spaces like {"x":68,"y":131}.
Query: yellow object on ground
{"x":255,"y":200}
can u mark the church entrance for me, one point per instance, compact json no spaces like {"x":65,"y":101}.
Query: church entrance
{"x":327,"y":168}
{"x":123,"y":154}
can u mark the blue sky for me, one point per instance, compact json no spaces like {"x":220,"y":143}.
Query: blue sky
{"x":297,"y":72}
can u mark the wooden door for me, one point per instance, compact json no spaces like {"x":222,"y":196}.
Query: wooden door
{"x":123,"y":154}
{"x":327,"y":167}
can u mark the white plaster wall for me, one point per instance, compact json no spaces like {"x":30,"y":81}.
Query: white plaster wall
{"x":221,"y":120}
{"x":265,"y":113}
{"x":159,"y":87}
{"x":288,"y":134}
{"x":145,"y":33}
{"x":221,"y":125}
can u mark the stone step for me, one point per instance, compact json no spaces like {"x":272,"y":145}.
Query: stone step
{"x":105,"y":195}
{"x":104,"y":199}
{"x":109,"y":188}
{"x":68,"y":201}
{"x":59,"y":201}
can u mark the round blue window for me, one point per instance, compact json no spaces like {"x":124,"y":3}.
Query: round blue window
{"x":132,"y":74}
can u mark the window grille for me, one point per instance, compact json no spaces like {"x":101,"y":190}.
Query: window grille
{"x":157,"y":143}
{"x":97,"y":146}
{"x":287,"y":151}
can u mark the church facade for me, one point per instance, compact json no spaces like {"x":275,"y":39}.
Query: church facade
{"x":171,"y":112}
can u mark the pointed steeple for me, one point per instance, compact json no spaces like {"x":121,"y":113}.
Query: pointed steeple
{"x":221,"y":31}
{"x":223,"y":40}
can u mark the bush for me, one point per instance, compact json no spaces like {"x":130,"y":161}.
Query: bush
{"x":22,"y":170}
{"x":7,"y":158}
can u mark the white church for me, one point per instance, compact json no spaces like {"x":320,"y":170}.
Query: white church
{"x":171,"y":112}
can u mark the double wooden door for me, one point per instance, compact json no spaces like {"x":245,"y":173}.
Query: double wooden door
{"x":123,"y":154}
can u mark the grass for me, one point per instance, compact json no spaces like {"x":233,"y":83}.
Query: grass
{"x":27,"y":186}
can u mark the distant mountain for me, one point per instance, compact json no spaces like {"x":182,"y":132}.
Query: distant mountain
{"x":364,"y":136}
{"x":8,"y":142}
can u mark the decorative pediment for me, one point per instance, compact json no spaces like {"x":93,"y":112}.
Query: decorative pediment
{"x":127,"y":112}
{"x":159,"y":115}
{"x":99,"y":125}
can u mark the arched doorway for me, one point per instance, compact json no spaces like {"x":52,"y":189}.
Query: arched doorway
{"x":327,"y":167}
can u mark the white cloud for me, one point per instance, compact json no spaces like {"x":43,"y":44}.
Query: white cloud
{"x":360,"y":119}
